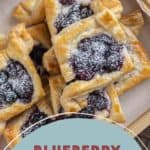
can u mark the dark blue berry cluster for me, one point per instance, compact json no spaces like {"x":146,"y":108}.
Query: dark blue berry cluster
{"x":75,"y":13}
{"x":15,"y":84}
{"x":98,"y":54}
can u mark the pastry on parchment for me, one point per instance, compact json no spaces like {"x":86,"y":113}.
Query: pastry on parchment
{"x":20,"y":84}
{"x":23,"y":124}
{"x":80,"y":47}
{"x":100,"y":102}
{"x":60,"y":14}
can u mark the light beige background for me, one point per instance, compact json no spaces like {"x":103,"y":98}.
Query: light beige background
{"x":134,"y":102}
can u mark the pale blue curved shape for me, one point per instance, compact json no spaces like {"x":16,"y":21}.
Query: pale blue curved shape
{"x":79,"y":132}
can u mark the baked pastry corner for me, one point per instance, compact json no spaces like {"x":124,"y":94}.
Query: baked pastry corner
{"x":30,"y":12}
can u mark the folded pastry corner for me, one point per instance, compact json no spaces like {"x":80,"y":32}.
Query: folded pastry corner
{"x":20,"y":85}
{"x":100,"y":102}
{"x":50,"y":62}
{"x":30,"y":12}
{"x":93,"y":53}
{"x":141,"y":62}
{"x":22,"y":125}
{"x":134,"y":21}
{"x":61,"y":14}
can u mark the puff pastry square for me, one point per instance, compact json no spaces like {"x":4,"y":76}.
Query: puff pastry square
{"x":20,"y":85}
{"x":61,"y":14}
{"x":141,"y":63}
{"x":134,"y":21}
{"x":102,"y":103}
{"x":19,"y":124}
{"x":80,"y":47}
{"x":30,"y":12}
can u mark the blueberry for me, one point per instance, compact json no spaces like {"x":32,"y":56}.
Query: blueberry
{"x":98,"y":100}
{"x":11,"y":97}
{"x":3,"y":77}
{"x":24,"y":89}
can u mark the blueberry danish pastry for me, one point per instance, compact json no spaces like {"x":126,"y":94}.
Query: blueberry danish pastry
{"x":134,"y":21}
{"x":102,"y":103}
{"x":62,"y":13}
{"x":92,"y":54}
{"x":20,"y":85}
{"x":19,"y":124}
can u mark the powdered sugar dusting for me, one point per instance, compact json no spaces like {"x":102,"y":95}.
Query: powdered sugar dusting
{"x":71,"y":14}
{"x":16,"y":84}
{"x":98,"y":54}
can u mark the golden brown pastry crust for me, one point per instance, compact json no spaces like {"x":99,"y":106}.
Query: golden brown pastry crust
{"x":3,"y":41}
{"x":50,"y":62}
{"x":57,"y":85}
{"x":40,"y":34}
{"x":19,"y":40}
{"x":14,"y":125}
{"x":134,"y":21}
{"x":53,"y":8}
{"x":74,"y":33}
{"x":30,"y":12}
{"x":2,"y":127}
{"x":141,"y":63}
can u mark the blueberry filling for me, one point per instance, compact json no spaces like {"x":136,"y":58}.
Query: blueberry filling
{"x":37,"y":55}
{"x":75,"y":13}
{"x":15,"y":84}
{"x":98,"y":54}
{"x":35,"y":117}
{"x":67,"y":2}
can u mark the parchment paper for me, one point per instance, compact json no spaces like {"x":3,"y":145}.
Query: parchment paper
{"x":136,"y":101}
